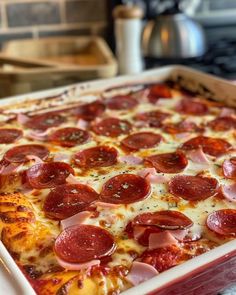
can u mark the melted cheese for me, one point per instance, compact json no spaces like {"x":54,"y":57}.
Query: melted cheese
{"x":30,"y":235}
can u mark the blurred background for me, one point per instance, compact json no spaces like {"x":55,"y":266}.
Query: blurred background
{"x":218,"y":19}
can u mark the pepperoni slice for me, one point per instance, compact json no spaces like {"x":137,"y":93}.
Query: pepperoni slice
{"x":121,"y":102}
{"x":162,"y":258}
{"x":169,"y":162}
{"x":192,"y":107}
{"x":158,"y":91}
{"x":112,"y":127}
{"x":212,"y":146}
{"x":44,"y":121}
{"x":153,"y":118}
{"x":222,"y":124}
{"x":69,"y":137}
{"x":193,"y":188}
{"x":166,"y":219}
{"x":100,"y":156}
{"x":18,"y":154}
{"x":9,"y":135}
{"x":222,"y":222}
{"x":47,"y":175}
{"x":125,"y":189}
{"x":229,"y":168}
{"x":90,"y":111}
{"x":68,"y":199}
{"x":83,"y":243}
{"x":141,"y":140}
{"x":181,"y":127}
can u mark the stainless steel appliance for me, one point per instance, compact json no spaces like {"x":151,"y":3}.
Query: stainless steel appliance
{"x":173,"y":34}
{"x":219,"y":22}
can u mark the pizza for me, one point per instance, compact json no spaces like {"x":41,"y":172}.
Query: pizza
{"x":103,"y":190}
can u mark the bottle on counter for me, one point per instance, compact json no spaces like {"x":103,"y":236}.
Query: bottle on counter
{"x":128,"y":30}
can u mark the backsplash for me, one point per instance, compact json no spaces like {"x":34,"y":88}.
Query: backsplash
{"x":39,"y":18}
{"x":44,"y":18}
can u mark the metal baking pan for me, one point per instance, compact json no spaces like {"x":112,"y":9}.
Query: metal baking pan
{"x":206,"y":274}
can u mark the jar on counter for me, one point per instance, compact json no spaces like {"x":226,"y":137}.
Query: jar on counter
{"x":128,"y":30}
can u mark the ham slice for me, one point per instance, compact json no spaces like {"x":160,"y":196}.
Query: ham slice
{"x":141,"y":124}
{"x":138,"y":231}
{"x":61,"y":157}
{"x":130,"y":159}
{"x":11,"y":168}
{"x":229,"y":168}
{"x":76,"y":219}
{"x":72,"y":179}
{"x":142,"y":95}
{"x":227,"y":112}
{"x":198,"y":156}
{"x":82,"y":124}
{"x":40,"y":136}
{"x":229,"y":192}
{"x":141,"y":272}
{"x":22,"y":118}
{"x":181,"y":235}
{"x":104,"y":205}
{"x":162,"y":239}
{"x":34,"y":158}
{"x":152,"y":176}
{"x":77,"y":266}
{"x":183,"y":136}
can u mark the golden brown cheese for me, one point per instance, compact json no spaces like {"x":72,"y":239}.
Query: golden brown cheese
{"x":20,"y":231}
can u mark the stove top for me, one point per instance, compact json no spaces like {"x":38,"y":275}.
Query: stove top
{"x":220,"y":60}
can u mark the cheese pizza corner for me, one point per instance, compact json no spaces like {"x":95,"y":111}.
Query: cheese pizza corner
{"x":102,"y":191}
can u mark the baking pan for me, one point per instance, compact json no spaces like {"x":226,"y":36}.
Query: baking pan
{"x":206,"y":274}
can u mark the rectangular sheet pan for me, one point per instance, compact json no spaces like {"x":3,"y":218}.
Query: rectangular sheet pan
{"x":206,"y":274}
